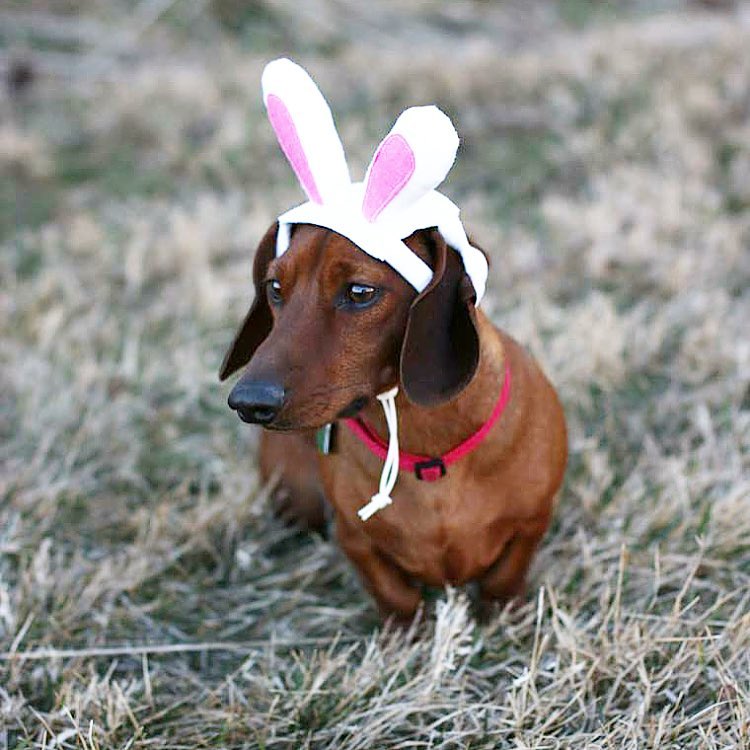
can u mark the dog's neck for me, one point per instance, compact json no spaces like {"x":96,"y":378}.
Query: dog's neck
{"x":432,"y":431}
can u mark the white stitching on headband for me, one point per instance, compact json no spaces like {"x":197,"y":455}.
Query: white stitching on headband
{"x":398,"y":195}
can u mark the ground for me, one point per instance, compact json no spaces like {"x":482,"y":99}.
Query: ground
{"x":148,"y":598}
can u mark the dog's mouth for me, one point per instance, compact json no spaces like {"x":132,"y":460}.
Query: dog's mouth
{"x":282,"y":424}
{"x":285,"y":425}
{"x":353,"y":408}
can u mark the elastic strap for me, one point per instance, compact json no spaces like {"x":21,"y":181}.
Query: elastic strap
{"x":382,"y":498}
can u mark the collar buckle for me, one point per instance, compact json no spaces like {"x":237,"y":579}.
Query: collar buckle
{"x":430,"y":470}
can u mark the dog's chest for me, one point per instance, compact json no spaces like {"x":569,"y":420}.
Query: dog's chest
{"x":447,"y":539}
{"x":432,"y":530}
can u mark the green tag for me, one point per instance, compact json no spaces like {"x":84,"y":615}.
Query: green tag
{"x":324,"y":439}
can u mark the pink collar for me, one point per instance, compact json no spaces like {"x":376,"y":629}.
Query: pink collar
{"x":431,"y":468}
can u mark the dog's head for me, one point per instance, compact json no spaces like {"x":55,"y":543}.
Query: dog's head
{"x":332,"y":324}
{"x":331,"y":327}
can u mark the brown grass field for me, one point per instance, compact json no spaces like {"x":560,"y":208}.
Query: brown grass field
{"x":148,"y":599}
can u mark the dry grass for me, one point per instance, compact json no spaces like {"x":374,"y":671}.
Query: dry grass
{"x":147,"y":599}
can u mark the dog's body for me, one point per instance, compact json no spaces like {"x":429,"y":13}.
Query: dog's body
{"x":484,"y":519}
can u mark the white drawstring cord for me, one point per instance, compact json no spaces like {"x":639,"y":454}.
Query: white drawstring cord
{"x":382,"y":498}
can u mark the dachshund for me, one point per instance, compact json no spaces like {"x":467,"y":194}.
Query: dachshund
{"x":331,"y":328}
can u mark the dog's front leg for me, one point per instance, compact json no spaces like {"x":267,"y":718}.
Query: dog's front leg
{"x":506,"y":578}
{"x":292,"y":460}
{"x":393,"y":591}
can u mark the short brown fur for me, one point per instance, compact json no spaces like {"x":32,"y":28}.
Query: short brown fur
{"x":482,"y":521}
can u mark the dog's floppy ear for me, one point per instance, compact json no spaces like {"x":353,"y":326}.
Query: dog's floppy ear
{"x":440,"y":353}
{"x":258,"y":320}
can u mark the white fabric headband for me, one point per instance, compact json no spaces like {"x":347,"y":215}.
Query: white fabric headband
{"x":397,"y":196}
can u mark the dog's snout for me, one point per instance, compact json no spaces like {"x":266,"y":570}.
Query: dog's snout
{"x":256,"y":403}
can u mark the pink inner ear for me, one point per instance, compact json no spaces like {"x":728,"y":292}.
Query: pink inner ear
{"x":286,"y":133}
{"x":392,"y":168}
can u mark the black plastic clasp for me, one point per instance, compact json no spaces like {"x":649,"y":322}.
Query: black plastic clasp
{"x":430,"y":471}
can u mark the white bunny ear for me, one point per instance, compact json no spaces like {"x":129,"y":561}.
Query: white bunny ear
{"x":304,"y":127}
{"x":412,"y":160}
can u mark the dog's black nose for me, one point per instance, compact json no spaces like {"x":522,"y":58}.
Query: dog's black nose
{"x":256,"y":403}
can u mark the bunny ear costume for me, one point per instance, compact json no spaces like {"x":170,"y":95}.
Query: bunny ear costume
{"x":397,"y":196}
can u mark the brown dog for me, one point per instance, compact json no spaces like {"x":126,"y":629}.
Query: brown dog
{"x":330,"y":329}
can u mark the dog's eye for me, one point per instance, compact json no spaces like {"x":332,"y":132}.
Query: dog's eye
{"x":273,"y":290}
{"x":361,"y":295}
